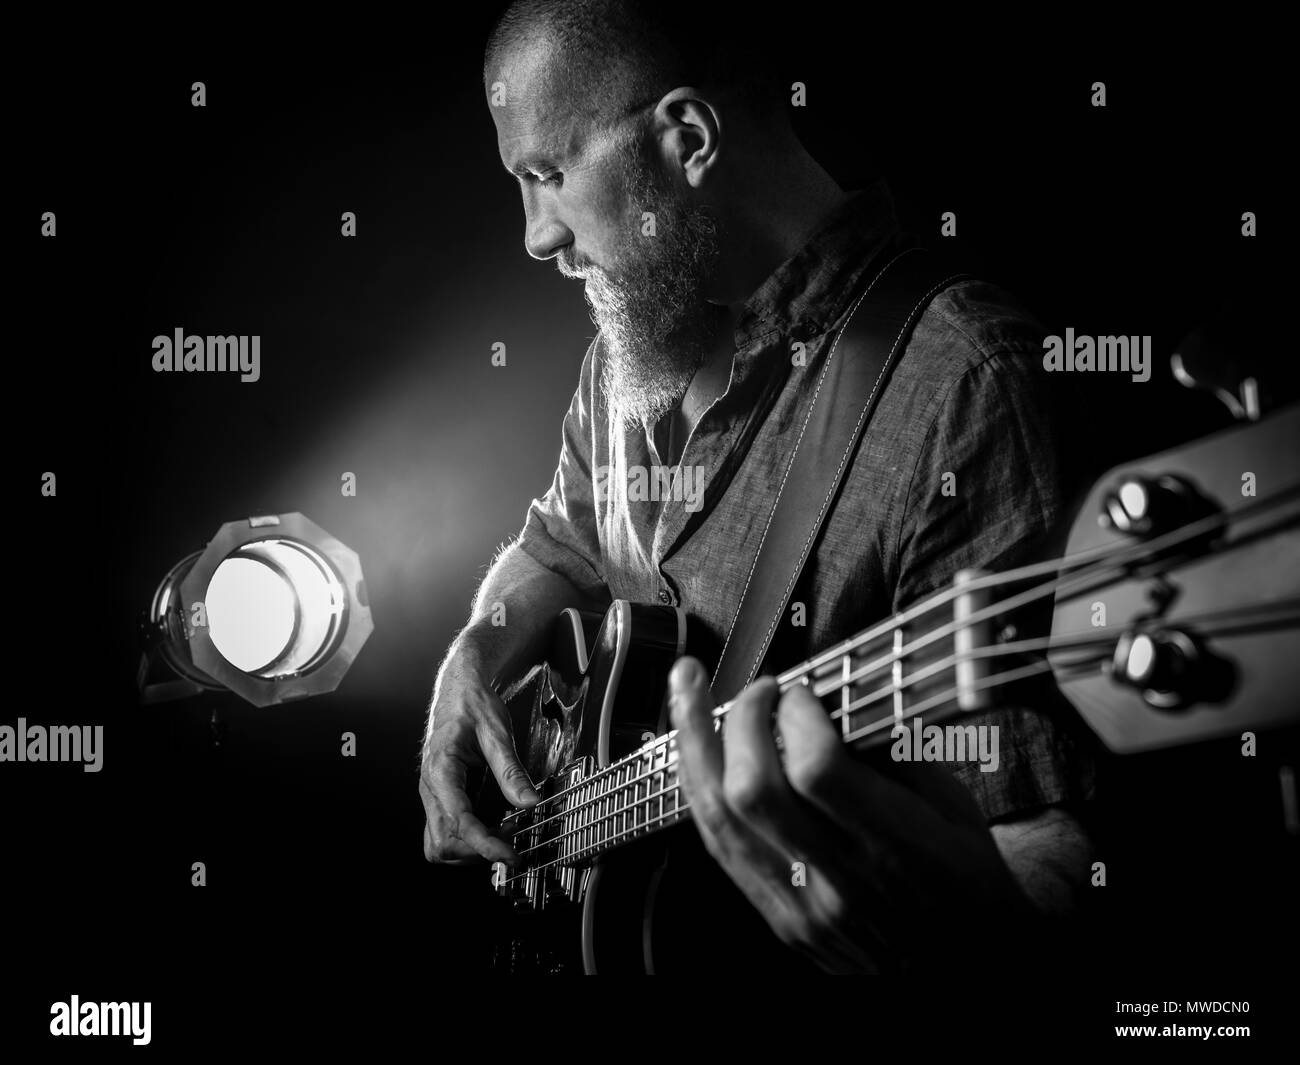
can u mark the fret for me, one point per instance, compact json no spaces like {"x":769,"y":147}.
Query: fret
{"x":670,"y":761}
{"x":896,"y":675}
{"x":578,"y":819}
{"x":597,"y":809}
{"x":659,"y":777}
{"x":648,"y":787}
{"x":586,"y":815}
{"x":633,"y":793}
{"x":616,"y":805}
{"x":615,"y":797}
{"x":969,"y":638}
{"x":567,"y":824}
{"x":644,"y":770}
{"x":669,"y":793}
{"x":610,"y":819}
{"x":846,"y":696}
{"x":602,"y":810}
{"x":639,"y":792}
{"x":607,"y":808}
{"x":566,"y":820}
{"x":624,"y":795}
{"x":602,"y":803}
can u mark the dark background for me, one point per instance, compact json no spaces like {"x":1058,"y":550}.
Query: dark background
{"x":376,"y":360}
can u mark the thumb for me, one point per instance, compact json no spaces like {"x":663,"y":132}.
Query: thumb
{"x":687,"y":677}
{"x":688,"y":690}
{"x":499,"y":751}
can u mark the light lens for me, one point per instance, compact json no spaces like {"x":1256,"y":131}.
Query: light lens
{"x":251,"y":612}
{"x":275,"y":608}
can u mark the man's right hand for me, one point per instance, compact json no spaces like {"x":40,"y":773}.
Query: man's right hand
{"x":469,"y":726}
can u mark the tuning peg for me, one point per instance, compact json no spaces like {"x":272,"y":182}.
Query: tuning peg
{"x":1158,"y":663}
{"x":1170,"y":668}
{"x":1145,"y":506}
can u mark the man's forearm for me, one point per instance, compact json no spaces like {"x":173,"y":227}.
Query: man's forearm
{"x":511,"y":617}
{"x":468,"y":725}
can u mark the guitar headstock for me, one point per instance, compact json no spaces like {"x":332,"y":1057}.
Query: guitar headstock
{"x":1182,"y":626}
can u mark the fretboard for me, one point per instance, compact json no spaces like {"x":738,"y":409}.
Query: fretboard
{"x":634,"y":797}
{"x":924,"y":662}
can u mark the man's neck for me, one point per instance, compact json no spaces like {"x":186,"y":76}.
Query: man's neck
{"x":777,"y":218}
{"x":773,"y":221}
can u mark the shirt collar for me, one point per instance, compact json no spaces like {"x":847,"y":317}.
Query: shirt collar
{"x":808,"y":292}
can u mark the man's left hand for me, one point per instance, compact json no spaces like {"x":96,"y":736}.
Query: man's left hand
{"x":837,"y":857}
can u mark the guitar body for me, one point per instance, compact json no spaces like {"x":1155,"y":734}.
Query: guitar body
{"x":658,"y":905}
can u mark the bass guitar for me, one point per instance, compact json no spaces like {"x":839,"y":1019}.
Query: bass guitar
{"x":1172,"y":617}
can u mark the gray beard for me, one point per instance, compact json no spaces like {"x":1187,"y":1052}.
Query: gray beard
{"x":656,"y":326}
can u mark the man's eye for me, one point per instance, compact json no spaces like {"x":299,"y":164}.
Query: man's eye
{"x":553,"y":179}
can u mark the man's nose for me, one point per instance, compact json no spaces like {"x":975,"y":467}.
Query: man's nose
{"x":544,"y":233}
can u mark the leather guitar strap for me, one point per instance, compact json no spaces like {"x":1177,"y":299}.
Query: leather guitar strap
{"x":849,"y":386}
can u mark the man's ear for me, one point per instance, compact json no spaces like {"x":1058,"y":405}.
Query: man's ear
{"x":688,"y":130}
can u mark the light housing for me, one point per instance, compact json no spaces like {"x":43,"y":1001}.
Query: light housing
{"x":273,"y":609}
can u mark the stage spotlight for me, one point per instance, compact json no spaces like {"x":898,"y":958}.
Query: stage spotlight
{"x":273,"y":609}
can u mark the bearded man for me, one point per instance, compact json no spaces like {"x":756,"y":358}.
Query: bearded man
{"x":657,"y":165}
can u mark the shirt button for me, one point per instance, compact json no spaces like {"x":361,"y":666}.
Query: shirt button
{"x":665,"y":596}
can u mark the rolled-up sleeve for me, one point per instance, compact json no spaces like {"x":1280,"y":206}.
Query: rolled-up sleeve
{"x":560,"y":529}
{"x":985,"y":494}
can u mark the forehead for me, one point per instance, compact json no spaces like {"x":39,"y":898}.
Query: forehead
{"x":537,"y":119}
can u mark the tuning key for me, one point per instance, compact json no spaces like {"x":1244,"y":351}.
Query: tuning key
{"x":1149,"y":506}
{"x":1170,"y":668}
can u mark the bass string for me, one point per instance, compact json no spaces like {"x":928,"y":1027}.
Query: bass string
{"x":604,"y":842}
{"x":1267,"y":613}
{"x":1111,"y":554}
{"x":680,"y":810}
{"x":1100,"y":565}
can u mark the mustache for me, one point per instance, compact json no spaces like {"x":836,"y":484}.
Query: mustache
{"x":566,"y":261}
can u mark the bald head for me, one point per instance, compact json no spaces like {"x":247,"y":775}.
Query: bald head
{"x":608,"y":58}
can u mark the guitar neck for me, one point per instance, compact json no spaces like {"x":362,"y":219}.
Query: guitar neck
{"x":1207,"y":613}
{"x":933,"y":660}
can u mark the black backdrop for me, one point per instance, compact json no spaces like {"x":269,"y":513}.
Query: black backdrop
{"x":376,"y":360}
